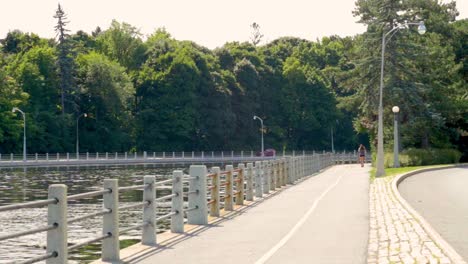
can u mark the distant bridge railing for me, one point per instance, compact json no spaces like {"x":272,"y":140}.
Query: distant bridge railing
{"x":207,"y":193}
{"x":156,"y":157}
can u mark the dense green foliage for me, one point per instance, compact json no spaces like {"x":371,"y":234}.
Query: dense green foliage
{"x":162,"y":94}
{"x":423,"y":157}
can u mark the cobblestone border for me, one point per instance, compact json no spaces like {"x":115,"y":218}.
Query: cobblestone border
{"x":433,"y":234}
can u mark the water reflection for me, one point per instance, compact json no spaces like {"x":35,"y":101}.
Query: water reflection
{"x":28,"y":184}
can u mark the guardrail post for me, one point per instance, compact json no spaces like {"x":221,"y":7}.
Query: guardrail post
{"x":258,"y":179}
{"x":198,"y":199}
{"x":135,"y":155}
{"x":249,"y":184}
{"x":145,"y":155}
{"x":97,"y":155}
{"x":251,"y":153}
{"x":212,"y":154}
{"x":107,"y":155}
{"x":289,"y":178}
{"x":222,"y":154}
{"x":214,"y":207}
{"x":154,"y":155}
{"x":242,"y":154}
{"x":164,"y":154}
{"x":149,"y":212}
{"x":193,"y":154}
{"x":228,"y":197}
{"x":58,"y":156}
{"x":11,"y":156}
{"x":116,"y":155}
{"x":47,"y":156}
{"x":35,"y":156}
{"x":110,"y":245}
{"x":240,"y":185}
{"x":266,"y":176}
{"x":177,"y":220}
{"x":202,"y":154}
{"x":183,"y":154}
{"x":87,"y":155}
{"x":232,"y":153}
{"x":273,"y":175}
{"x":57,"y":215}
{"x":279,"y":171}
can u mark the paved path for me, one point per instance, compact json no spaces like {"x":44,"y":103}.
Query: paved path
{"x":395,"y":236}
{"x":441,"y":197}
{"x":323,"y":219}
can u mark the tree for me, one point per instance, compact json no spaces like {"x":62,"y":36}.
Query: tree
{"x":256,"y":34}
{"x":65,"y":59}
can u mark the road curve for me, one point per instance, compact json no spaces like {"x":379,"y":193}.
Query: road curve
{"x":324,"y":219}
{"x":441,"y":197}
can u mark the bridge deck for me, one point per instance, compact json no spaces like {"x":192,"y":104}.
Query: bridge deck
{"x":323,"y":219}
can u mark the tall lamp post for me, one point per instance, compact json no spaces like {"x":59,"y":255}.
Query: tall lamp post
{"x":380,"y":149}
{"x":78,"y":135}
{"x":261,"y":122}
{"x":396,"y":162}
{"x":14,"y":110}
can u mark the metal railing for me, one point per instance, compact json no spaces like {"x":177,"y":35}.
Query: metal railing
{"x":232,"y":186}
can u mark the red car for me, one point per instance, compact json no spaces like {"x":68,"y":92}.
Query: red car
{"x":266,"y":153}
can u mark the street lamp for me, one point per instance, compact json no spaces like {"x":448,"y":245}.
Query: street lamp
{"x":261,"y":122}
{"x":380,"y":149}
{"x":78,"y":136}
{"x":396,"y":162}
{"x":14,"y":110}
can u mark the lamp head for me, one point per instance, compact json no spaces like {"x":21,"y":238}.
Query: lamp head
{"x":395,"y":109}
{"x":14,"y":109}
{"x":255,"y":117}
{"x":85,"y":115}
{"x":421,"y":28}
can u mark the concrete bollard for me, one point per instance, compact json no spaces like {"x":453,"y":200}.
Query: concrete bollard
{"x":274,"y":174}
{"x":149,"y":212}
{"x":249,"y":184}
{"x":258,"y":179}
{"x":240,"y":185}
{"x":228,"y":196}
{"x":279,"y":173}
{"x":214,"y":206}
{"x":177,"y":220}
{"x":266,"y":177}
{"x":110,"y":225}
{"x":197,"y":200}
{"x":57,"y":215}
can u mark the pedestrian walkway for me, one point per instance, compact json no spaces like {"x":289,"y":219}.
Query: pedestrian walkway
{"x":323,"y":219}
{"x":395,"y":236}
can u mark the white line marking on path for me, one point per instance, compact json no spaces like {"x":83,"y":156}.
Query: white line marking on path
{"x":288,"y":236}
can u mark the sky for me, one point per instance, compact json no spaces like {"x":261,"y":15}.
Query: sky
{"x":210,"y":23}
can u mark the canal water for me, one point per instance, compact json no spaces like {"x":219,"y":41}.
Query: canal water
{"x":28,"y":184}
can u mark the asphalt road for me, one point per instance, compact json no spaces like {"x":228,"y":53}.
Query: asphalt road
{"x":323,"y":219}
{"x":441,"y":197}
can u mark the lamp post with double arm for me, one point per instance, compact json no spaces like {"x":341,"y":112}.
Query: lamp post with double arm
{"x":380,"y":149}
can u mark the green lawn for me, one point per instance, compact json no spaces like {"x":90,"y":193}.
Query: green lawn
{"x":395,"y":171}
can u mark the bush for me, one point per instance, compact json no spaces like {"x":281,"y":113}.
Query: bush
{"x":421,"y":157}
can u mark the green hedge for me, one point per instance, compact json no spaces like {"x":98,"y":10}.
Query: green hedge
{"x":421,"y":157}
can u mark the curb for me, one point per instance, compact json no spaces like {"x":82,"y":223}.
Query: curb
{"x":433,"y":234}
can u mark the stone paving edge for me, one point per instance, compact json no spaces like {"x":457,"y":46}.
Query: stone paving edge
{"x":433,"y":234}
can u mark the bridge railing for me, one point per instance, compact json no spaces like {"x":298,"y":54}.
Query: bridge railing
{"x":215,"y":189}
{"x":340,"y":157}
